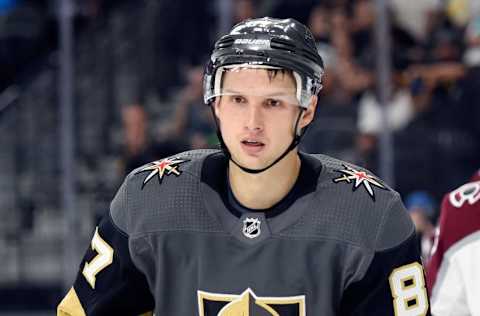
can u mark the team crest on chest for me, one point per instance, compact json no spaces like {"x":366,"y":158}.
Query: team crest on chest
{"x":359,"y":178}
{"x":162,"y":168}
{"x":248,"y":304}
{"x":251,"y":227}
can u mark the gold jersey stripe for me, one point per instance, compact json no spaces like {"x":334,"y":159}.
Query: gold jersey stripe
{"x":70,"y":305}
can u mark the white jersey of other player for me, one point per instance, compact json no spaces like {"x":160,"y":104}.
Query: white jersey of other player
{"x":453,"y":274}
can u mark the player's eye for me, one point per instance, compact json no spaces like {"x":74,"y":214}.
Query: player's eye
{"x":273,"y":102}
{"x":237,"y":99}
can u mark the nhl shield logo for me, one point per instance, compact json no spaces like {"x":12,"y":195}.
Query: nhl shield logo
{"x":251,"y":227}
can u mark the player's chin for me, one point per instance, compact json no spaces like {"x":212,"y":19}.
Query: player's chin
{"x":251,"y":161}
{"x":257,"y":164}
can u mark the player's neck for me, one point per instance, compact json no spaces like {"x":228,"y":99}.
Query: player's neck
{"x":265,"y":189}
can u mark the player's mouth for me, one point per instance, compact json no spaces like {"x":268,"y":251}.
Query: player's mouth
{"x":251,"y":146}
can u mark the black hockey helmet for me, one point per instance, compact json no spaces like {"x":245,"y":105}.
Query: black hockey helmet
{"x":267,"y":43}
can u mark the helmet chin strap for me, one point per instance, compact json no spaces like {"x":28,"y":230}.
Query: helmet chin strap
{"x":295,"y":141}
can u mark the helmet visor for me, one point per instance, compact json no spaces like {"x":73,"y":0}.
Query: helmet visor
{"x":273,"y":95}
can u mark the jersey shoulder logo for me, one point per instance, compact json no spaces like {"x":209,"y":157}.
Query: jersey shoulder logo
{"x":359,"y":178}
{"x":467,"y":193}
{"x":251,"y":227}
{"x":247,"y":303}
{"x":162,"y":168}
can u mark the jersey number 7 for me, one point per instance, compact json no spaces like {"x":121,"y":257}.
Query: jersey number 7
{"x":103,"y":259}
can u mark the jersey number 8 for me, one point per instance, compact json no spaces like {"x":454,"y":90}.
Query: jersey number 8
{"x":408,"y":290}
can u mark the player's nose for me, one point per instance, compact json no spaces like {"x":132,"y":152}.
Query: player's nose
{"x":254,"y":118}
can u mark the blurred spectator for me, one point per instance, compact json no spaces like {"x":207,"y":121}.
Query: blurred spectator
{"x":399,"y":112}
{"x":471,"y":57}
{"x":415,"y":16}
{"x":362,"y":23}
{"x":320,"y":25}
{"x":138,"y":149}
{"x":461,"y":12}
{"x":414,"y":144}
{"x":331,"y":132}
{"x":135,"y":125}
{"x":192,"y":118}
{"x":340,"y":32}
{"x":434,"y":138}
{"x":404,"y":47}
{"x":354,"y":43}
{"x":444,"y":44}
{"x":421,"y":207}
{"x":438,"y":128}
{"x":243,"y":9}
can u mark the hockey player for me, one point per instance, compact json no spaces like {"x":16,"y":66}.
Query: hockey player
{"x":453,"y":274}
{"x":256,"y":228}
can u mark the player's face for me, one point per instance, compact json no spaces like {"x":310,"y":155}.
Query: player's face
{"x":257,"y":115}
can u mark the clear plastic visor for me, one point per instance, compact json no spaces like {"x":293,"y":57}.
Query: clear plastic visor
{"x":271,"y":99}
{"x":274,"y":95}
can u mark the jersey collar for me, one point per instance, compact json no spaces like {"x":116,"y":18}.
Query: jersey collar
{"x":252,"y":227}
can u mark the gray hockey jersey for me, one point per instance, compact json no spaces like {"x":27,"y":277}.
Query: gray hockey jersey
{"x":171,"y":244}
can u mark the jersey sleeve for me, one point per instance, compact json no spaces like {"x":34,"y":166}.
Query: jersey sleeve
{"x":108,"y":282}
{"x":439,"y":246}
{"x":394,"y":281}
{"x":452,"y":276}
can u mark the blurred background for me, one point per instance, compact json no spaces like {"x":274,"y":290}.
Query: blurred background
{"x":91,"y":89}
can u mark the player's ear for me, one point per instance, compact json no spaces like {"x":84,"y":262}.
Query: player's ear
{"x":309,"y":113}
